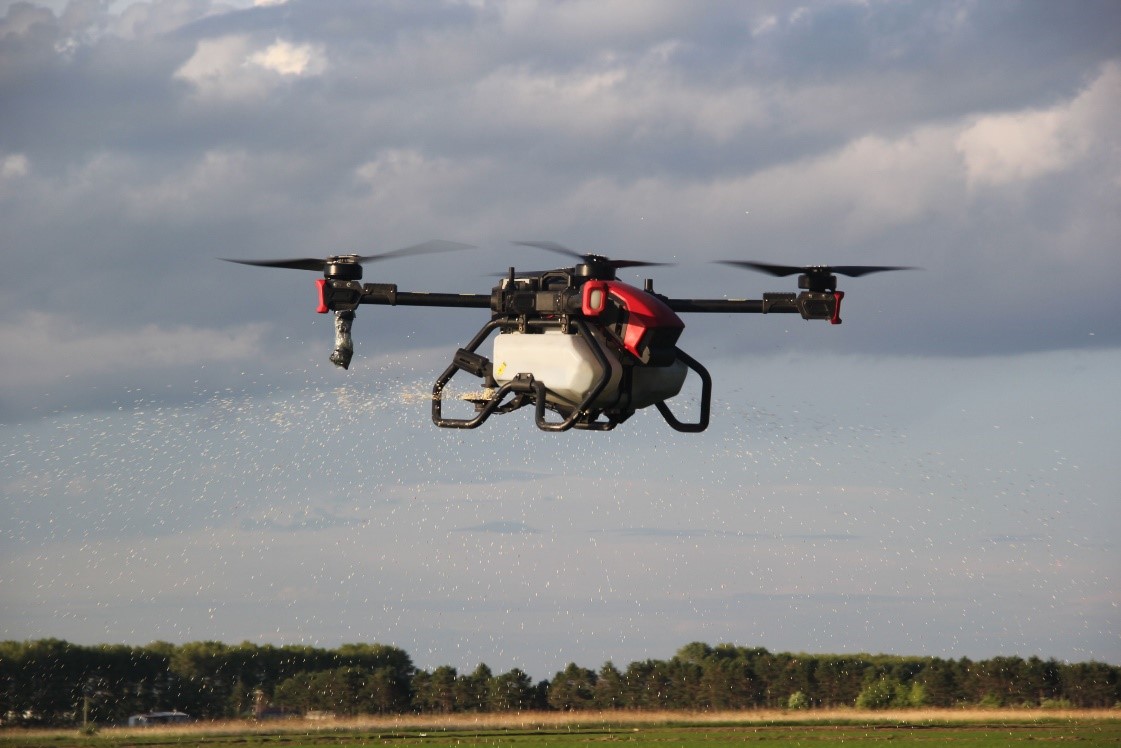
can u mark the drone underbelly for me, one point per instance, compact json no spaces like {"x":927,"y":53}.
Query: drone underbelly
{"x":570,"y":370}
{"x":653,"y":384}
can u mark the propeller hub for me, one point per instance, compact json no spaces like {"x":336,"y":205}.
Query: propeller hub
{"x":595,"y":267}
{"x":818,"y":279}
{"x":343,"y":267}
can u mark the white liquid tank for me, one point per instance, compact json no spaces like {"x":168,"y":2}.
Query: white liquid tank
{"x":569,"y":369}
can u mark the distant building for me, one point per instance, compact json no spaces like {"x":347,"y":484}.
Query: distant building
{"x":158,"y":718}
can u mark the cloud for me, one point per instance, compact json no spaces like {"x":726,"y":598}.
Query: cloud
{"x":644,"y":101}
{"x":222,"y":183}
{"x":873,"y":184}
{"x":1021,"y":146}
{"x":236,"y":67}
{"x":665,"y":137}
{"x":21,"y":19}
{"x":14,"y":167}
{"x":151,"y":20}
{"x":215,"y":64}
{"x":764,"y":24}
{"x":43,"y":349}
{"x":290,"y":59}
{"x":585,"y":22}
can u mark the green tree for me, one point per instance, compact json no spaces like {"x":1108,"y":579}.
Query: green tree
{"x":610,"y":688}
{"x":648,"y":684}
{"x":1091,"y":685}
{"x":573,"y":689}
{"x":798,"y":701}
{"x":728,"y":683}
{"x":294,"y":693}
{"x":889,"y":693}
{"x":696,"y":653}
{"x":385,"y":692}
{"x":941,"y":683}
{"x":510,"y":692}
{"x":436,"y":692}
{"x":473,"y":690}
{"x":1042,"y":682}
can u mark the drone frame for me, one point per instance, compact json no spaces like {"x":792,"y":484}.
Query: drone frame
{"x":563,"y":300}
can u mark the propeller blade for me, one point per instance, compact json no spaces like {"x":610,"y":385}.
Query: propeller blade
{"x":617,"y":264}
{"x":424,"y":248}
{"x":762,"y":267}
{"x":552,"y":247}
{"x":853,"y":271}
{"x":319,"y":265}
{"x":587,"y":258}
{"x":307,"y":263}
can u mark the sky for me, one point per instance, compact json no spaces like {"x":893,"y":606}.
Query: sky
{"x":936,"y":476}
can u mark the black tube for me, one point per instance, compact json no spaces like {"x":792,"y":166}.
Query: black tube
{"x":770,"y":305}
{"x":387,"y":295}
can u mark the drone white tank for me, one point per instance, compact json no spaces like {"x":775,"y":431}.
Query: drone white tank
{"x":565,"y":363}
{"x":569,"y":369}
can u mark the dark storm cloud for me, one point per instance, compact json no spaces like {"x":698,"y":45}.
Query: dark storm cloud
{"x":137,"y":145}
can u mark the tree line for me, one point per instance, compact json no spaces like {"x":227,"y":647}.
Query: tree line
{"x":52,"y":682}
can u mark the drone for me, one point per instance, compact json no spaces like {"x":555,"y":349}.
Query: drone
{"x":580,"y":346}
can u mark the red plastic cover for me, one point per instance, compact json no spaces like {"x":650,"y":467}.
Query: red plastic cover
{"x":836,"y":320}
{"x":645,"y":313}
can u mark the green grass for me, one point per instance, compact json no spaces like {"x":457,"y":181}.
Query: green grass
{"x":666,"y":731}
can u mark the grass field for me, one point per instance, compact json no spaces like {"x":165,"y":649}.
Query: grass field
{"x":758,"y":729}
